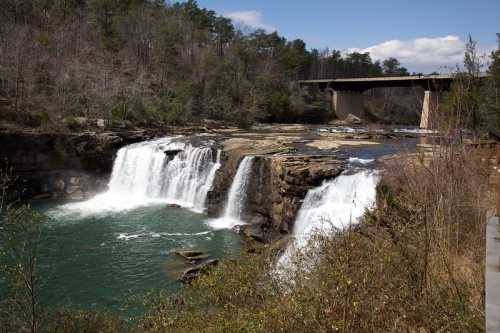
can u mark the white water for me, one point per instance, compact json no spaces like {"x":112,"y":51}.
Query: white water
{"x":343,"y":129}
{"x":236,"y":198}
{"x":362,"y":161}
{"x":143,"y":175}
{"x":330,"y":207}
{"x":414,"y":130}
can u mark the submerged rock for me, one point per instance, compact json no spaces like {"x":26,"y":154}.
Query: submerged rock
{"x":174,"y":206}
{"x":42,"y":196}
{"x":191,"y":254}
{"x":188,"y":275}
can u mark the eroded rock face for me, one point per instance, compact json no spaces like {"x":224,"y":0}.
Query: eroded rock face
{"x":278,"y":185}
{"x":291,"y":178}
{"x":62,"y":165}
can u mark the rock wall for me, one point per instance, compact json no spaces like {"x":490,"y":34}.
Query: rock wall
{"x":291,"y":178}
{"x":278,"y":186}
{"x":61,"y":165}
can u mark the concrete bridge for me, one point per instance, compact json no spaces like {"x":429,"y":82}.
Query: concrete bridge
{"x":347,"y":94}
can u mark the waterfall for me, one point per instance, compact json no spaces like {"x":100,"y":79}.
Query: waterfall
{"x":156,"y":172}
{"x":237,"y":197}
{"x":332,"y":206}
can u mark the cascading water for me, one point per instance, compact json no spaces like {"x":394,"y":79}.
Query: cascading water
{"x":333,"y":206}
{"x":236,"y":198}
{"x":159,"y":171}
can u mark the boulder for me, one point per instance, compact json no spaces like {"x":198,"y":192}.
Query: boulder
{"x":253,"y":231}
{"x":188,"y":275}
{"x":59,"y":185}
{"x":352,"y":120}
{"x":174,"y":206}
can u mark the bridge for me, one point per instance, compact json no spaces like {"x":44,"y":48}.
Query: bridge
{"x":347,"y":94}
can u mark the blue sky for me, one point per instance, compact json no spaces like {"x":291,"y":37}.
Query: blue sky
{"x":425,"y":35}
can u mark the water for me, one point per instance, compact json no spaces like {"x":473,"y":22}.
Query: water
{"x":107,"y":252}
{"x":143,"y":174}
{"x":360,"y":161}
{"x":414,"y":130}
{"x":333,"y":206}
{"x":237,"y":197}
{"x":112,"y":259}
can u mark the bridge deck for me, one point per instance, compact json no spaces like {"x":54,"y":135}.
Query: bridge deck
{"x":428,"y":82}
{"x":382,"y":79}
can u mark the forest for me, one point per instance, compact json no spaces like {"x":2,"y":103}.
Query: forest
{"x":148,"y":63}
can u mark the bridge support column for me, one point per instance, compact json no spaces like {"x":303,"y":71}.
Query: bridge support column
{"x":429,"y":108}
{"x":348,"y":102}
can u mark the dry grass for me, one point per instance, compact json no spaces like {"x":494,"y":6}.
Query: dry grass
{"x":415,"y":264}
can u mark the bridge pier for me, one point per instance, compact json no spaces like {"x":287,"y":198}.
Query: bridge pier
{"x":429,"y":110}
{"x":348,"y":102}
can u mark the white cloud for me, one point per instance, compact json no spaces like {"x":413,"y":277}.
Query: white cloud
{"x":421,"y":53}
{"x":250,"y":18}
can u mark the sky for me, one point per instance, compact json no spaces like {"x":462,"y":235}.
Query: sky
{"x":425,"y":35}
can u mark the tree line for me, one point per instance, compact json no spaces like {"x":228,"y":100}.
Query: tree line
{"x":146,"y":61}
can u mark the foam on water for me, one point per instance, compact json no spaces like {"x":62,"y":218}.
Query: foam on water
{"x":414,"y":130}
{"x":130,"y":236}
{"x":363,"y":161}
{"x":143,"y":175}
{"x":342,"y":129}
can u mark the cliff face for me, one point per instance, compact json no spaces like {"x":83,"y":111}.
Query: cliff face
{"x":291,"y":178}
{"x":61,"y":165}
{"x":278,"y":185}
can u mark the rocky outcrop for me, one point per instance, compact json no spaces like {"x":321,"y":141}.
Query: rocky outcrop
{"x":62,"y":165}
{"x":278,"y":185}
{"x":291,"y":178}
{"x":199,"y":261}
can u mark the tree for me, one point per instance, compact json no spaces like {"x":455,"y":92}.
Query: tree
{"x":464,"y":103}
{"x":392,"y":66}
{"x":20,"y":240}
{"x":492,"y":89}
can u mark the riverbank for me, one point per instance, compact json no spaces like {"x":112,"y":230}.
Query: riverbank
{"x":414,"y":263}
